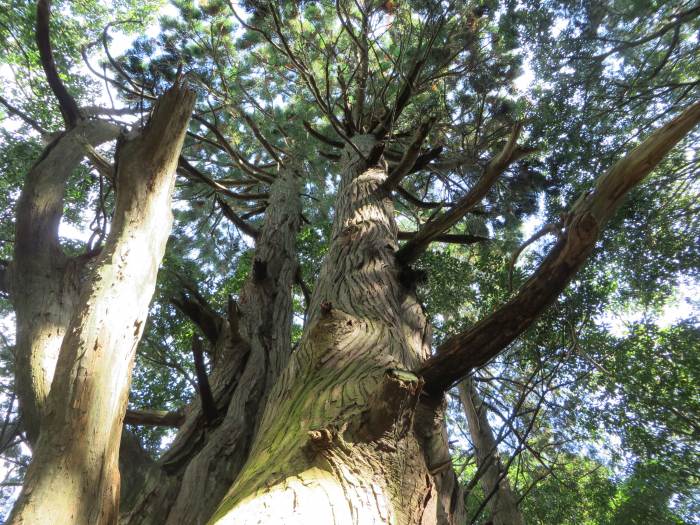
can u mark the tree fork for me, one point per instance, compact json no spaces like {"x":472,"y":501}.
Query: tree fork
{"x":74,"y":475}
{"x":43,"y":282}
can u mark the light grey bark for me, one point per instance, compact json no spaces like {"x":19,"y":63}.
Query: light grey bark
{"x":252,"y":350}
{"x":44,"y":282}
{"x":502,"y":504}
{"x":337,"y":442}
{"x":74,"y":476}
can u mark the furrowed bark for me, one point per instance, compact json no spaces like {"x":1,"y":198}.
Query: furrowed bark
{"x":74,"y":475}
{"x":45,"y":283}
{"x":583,"y":225}
{"x":338,"y":426}
{"x":502,"y":504}
{"x":203,"y":462}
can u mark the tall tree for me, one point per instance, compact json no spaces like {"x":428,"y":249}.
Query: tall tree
{"x":399,"y":121}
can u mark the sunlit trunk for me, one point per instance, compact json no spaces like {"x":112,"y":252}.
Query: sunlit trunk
{"x":337,"y":442}
{"x":44,"y":282}
{"x":74,"y":477}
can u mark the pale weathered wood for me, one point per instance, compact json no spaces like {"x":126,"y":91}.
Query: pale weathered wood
{"x":74,"y":476}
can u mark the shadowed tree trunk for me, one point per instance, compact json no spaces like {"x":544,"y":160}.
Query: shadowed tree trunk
{"x":74,"y":476}
{"x":502,"y":503}
{"x":252,"y":346}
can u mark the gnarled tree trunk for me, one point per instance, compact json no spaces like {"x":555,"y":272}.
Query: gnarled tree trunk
{"x":337,"y":442}
{"x":74,"y":477}
{"x":252,"y":347}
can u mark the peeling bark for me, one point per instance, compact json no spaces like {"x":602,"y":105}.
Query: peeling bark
{"x":74,"y":476}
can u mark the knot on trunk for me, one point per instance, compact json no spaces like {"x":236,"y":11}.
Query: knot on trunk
{"x":324,"y":439}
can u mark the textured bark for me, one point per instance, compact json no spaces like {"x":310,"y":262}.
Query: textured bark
{"x":337,"y":442}
{"x":45,"y":283}
{"x":252,"y":350}
{"x":502,"y":503}
{"x":74,"y":476}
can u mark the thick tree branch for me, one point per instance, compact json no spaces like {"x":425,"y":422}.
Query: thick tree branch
{"x":426,"y":158}
{"x":156,"y":418}
{"x":69,"y":108}
{"x":586,"y":219}
{"x":205,"y":395}
{"x":509,"y":154}
{"x":454,"y":238}
{"x":193,"y":305}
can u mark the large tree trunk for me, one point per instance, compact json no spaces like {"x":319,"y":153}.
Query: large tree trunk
{"x":74,"y":477}
{"x":45,"y":283}
{"x":337,"y":442}
{"x":502,"y":502}
{"x":251,"y":350}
